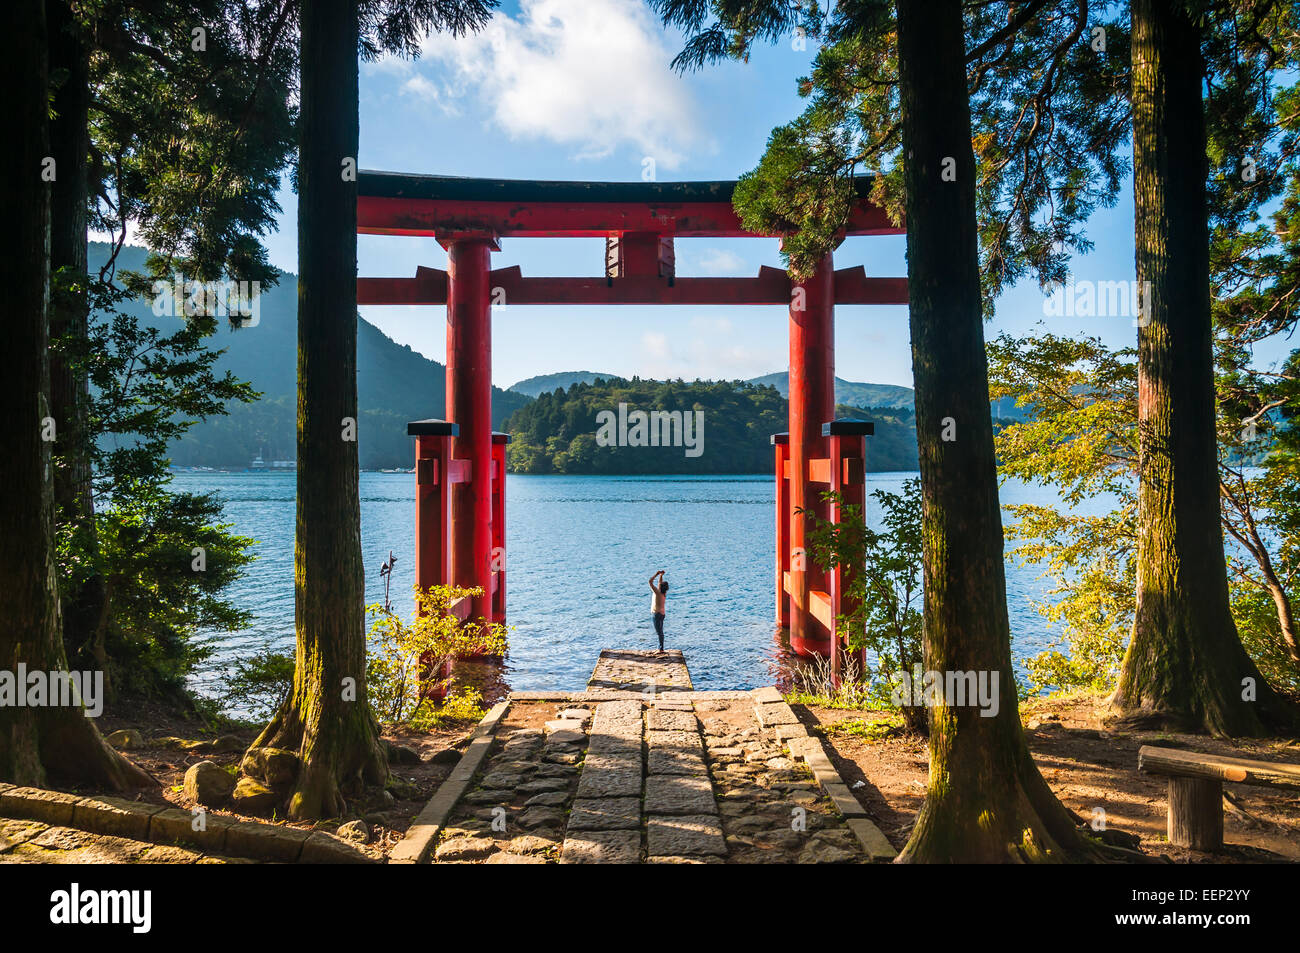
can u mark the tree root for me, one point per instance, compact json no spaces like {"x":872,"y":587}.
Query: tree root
{"x":335,"y":764}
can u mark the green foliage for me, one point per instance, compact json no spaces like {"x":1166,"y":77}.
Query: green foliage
{"x":409,"y":661}
{"x":187,"y":157}
{"x":556,"y":433}
{"x":1049,"y":121}
{"x":187,"y":154}
{"x":813,"y":685}
{"x":1261,"y":635}
{"x":1080,"y":435}
{"x":864,"y":730}
{"x":165,"y":558}
{"x":884,"y":587}
{"x":260,"y":683}
{"x":1089,"y":561}
{"x":462,"y":706}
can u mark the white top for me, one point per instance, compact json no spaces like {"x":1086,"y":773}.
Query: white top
{"x":657,"y":601}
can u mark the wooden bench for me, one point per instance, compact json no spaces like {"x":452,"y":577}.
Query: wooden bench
{"x":1196,"y":789}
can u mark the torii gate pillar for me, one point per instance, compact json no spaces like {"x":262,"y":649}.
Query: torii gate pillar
{"x":812,"y":403}
{"x":469,"y":404}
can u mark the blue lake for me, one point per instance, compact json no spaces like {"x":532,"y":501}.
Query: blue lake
{"x":580,"y":550}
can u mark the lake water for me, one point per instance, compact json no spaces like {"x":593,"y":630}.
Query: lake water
{"x":580,"y":549}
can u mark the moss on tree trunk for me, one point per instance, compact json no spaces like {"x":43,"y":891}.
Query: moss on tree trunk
{"x":327,"y":718}
{"x":1185,"y":666}
{"x":49,"y":743}
{"x":986,"y":801}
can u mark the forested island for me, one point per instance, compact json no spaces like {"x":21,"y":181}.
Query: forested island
{"x":560,"y":431}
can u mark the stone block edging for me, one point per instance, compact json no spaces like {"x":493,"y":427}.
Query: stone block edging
{"x":812,"y":752}
{"x":158,"y":824}
{"x":418,"y":844}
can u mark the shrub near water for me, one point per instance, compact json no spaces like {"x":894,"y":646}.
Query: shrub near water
{"x":398,"y":654}
{"x":409,"y":662}
{"x":885,"y":587}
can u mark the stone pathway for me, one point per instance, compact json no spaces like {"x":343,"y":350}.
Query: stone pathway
{"x":677,"y":776}
{"x":633,"y":670}
{"x":605,"y":824}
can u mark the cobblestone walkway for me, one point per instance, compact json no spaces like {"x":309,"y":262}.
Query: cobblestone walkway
{"x":644,"y":787}
{"x":677,"y":776}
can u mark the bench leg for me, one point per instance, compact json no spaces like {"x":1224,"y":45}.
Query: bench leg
{"x":1196,"y":813}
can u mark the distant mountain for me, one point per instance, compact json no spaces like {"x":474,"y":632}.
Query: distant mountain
{"x":846,"y":392}
{"x":546,"y":383}
{"x":394,"y":385}
{"x":885,"y":396}
{"x":893,"y":445}
{"x":893,"y":396}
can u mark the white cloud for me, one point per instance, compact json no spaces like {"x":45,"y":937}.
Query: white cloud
{"x":591,"y":74}
{"x":419,"y":86}
{"x":722,"y":262}
{"x":656,"y":345}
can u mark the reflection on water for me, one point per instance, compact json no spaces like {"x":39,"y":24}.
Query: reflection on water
{"x":580,"y":552}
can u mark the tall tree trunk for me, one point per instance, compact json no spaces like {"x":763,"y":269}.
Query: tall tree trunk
{"x":1185,"y":666}
{"x":986,"y":801}
{"x":69,"y":147}
{"x":37,"y":744}
{"x":327,"y":718}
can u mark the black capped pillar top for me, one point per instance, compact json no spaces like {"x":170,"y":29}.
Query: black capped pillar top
{"x":848,"y":427}
{"x":432,"y":428}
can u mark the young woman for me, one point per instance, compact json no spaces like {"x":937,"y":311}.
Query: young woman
{"x":658,"y":598}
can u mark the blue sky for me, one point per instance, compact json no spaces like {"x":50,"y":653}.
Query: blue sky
{"x":581,"y":89}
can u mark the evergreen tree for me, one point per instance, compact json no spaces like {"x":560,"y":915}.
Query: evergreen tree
{"x":987,"y":801}
{"x":327,"y":720}
{"x":175,"y":119}
{"x":48,"y":741}
{"x":1185,"y":664}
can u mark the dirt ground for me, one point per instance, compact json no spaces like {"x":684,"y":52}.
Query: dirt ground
{"x":438,"y":750}
{"x":1088,"y":766}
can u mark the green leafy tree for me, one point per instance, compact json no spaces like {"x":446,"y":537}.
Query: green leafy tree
{"x":884,"y":588}
{"x":162,"y":558}
{"x":259,"y":683}
{"x":411,"y":662}
{"x":57,"y":742}
{"x":1079,"y":435}
{"x":172,"y":119}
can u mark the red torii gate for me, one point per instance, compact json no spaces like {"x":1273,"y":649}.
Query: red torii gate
{"x":460,"y":462}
